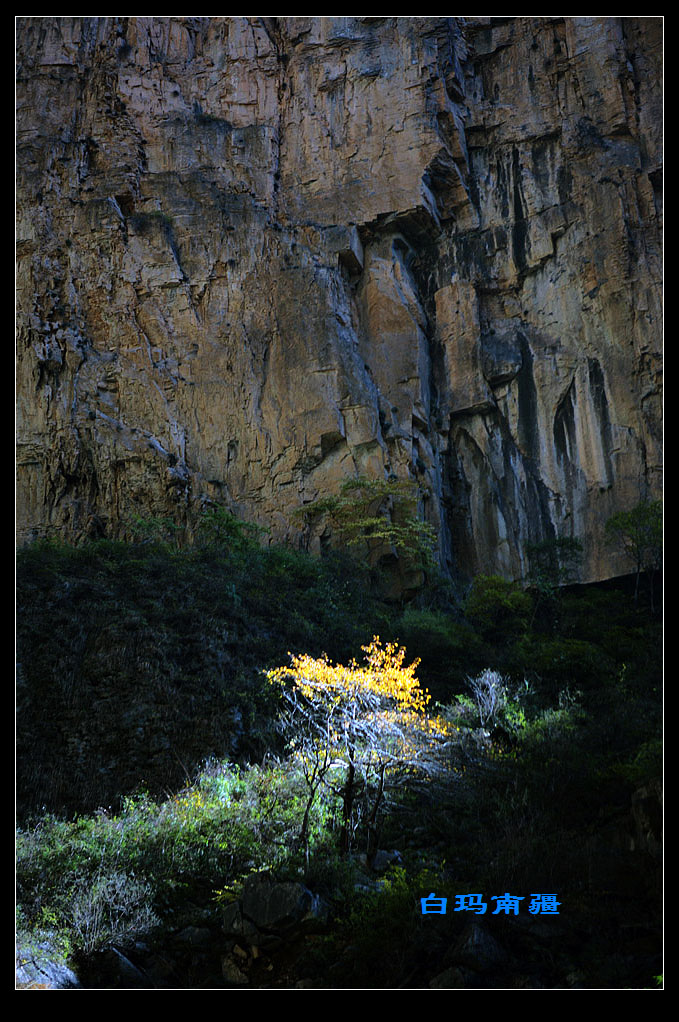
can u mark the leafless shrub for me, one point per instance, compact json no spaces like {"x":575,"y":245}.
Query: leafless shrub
{"x":489,"y":691}
{"x":110,"y":909}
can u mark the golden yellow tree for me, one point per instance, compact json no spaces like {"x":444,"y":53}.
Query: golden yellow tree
{"x":369,"y":722}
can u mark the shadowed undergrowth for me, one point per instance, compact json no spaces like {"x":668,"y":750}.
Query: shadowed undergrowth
{"x":142,"y":692}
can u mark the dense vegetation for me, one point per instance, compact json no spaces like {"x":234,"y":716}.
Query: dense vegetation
{"x":154,"y":778}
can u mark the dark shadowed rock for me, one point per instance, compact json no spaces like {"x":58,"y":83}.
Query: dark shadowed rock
{"x":269,"y":909}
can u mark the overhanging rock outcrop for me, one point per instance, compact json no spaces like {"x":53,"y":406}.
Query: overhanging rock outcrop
{"x":258,"y":256}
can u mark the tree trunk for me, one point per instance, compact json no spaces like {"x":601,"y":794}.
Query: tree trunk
{"x":371,"y":849}
{"x":348,"y":796}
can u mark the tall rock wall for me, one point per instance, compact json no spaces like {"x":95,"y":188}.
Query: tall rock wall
{"x":258,"y":256}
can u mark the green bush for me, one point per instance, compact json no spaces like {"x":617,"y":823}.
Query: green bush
{"x":558,"y":663}
{"x":101,"y":878}
{"x":219,"y":528}
{"x":378,"y":932}
{"x":447,"y":648}
{"x":643,"y":765}
{"x":163,"y":532}
{"x":499,"y":610}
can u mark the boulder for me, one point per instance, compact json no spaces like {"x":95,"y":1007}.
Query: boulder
{"x":270,"y":908}
{"x":478,"y":949}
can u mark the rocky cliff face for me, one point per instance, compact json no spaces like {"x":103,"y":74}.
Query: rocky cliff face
{"x":258,"y":256}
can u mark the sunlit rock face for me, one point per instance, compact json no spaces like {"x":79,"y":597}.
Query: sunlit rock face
{"x":259,"y":256}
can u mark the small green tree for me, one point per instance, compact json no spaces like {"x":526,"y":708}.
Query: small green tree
{"x":218,"y":527}
{"x":155,"y":531}
{"x":553,"y":563}
{"x":639,"y":534}
{"x":371,"y":514}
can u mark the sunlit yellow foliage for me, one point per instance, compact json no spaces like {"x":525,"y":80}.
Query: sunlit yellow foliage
{"x":368,"y":721}
{"x":380,"y":698}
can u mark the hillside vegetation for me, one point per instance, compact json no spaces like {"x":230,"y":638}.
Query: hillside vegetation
{"x":160,"y":772}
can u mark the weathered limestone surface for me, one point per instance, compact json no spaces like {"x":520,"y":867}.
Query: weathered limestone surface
{"x":259,"y":255}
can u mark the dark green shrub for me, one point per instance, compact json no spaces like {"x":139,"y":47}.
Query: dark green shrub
{"x":553,"y":563}
{"x":499,"y":610}
{"x":219,"y":528}
{"x":447,"y":648}
{"x":555,"y":664}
